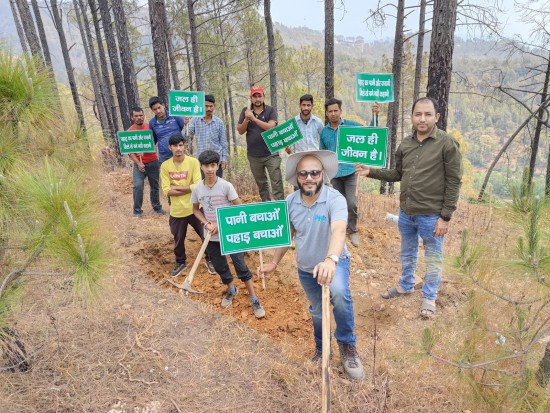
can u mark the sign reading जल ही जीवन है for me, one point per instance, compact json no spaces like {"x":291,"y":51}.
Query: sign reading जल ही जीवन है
{"x":362,"y":144}
{"x":186,"y":103}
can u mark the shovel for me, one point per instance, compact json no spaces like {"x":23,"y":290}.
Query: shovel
{"x":325,"y":385}
{"x":189,"y":279}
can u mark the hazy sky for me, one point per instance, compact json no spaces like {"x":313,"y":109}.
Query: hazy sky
{"x":350,"y":21}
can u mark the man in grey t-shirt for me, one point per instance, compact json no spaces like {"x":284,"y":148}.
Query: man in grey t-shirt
{"x":318,"y":215}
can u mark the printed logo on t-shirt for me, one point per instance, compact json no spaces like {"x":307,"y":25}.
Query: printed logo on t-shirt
{"x":178,"y":175}
{"x":319,"y":218}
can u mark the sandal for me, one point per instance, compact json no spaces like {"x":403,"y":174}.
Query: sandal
{"x":427,"y":310}
{"x":394,"y":293}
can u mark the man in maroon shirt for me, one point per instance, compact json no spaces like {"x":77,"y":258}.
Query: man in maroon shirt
{"x":145,"y":165}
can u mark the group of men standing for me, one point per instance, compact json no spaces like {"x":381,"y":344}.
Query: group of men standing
{"x":428,"y":165}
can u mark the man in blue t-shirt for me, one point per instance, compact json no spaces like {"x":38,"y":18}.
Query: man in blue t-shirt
{"x":163,"y":125}
{"x":318,"y":216}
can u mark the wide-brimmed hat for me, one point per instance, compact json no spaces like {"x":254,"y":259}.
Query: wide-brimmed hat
{"x":327,"y":158}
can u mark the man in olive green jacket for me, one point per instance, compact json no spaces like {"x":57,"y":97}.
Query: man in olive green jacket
{"x":429,"y":166}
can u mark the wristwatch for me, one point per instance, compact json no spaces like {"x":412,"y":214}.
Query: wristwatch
{"x":333,"y":257}
{"x":446,"y":219}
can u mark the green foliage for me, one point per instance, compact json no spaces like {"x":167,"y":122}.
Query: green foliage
{"x":428,"y":340}
{"x":47,"y":201}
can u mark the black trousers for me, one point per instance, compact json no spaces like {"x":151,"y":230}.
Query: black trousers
{"x":221,"y":266}
{"x":178,"y":228}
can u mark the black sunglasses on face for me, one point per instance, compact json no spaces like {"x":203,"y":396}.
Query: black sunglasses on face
{"x":316,"y":173}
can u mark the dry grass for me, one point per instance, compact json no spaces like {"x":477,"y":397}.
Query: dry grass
{"x":147,"y":349}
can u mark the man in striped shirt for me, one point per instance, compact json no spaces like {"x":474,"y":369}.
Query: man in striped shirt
{"x":209,"y":132}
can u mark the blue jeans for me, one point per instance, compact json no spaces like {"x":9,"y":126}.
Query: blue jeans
{"x":411,"y":228}
{"x":152,"y":172}
{"x":340,"y":297}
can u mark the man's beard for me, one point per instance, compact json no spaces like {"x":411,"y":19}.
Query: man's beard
{"x":310,"y":192}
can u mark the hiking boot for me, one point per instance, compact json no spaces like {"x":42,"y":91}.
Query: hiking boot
{"x":228,"y":299}
{"x":318,"y":357}
{"x":137,"y":215}
{"x":259,"y":311}
{"x":178,"y":269}
{"x":210,"y":267}
{"x":354,"y":238}
{"x":351,"y":362}
{"x":160,"y":211}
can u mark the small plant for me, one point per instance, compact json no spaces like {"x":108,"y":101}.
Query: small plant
{"x":508,"y":317}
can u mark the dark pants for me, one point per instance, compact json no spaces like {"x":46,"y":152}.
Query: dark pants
{"x":152,"y":172}
{"x":178,"y":228}
{"x":258,"y":166}
{"x":221,"y":266}
{"x":347,"y":186}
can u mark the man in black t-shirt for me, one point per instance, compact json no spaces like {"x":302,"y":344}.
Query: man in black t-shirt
{"x":254,"y":120}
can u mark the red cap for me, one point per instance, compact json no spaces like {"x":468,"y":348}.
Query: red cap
{"x":256,"y":89}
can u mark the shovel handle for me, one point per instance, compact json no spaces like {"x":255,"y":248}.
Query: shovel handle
{"x":191,"y":275}
{"x":261,"y":265}
{"x":325,"y":386}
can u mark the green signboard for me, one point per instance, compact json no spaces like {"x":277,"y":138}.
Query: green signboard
{"x":371,"y":87}
{"x":362,"y":144}
{"x":185,"y":103}
{"x":136,"y":141}
{"x":255,"y":226}
{"x":285,"y":134}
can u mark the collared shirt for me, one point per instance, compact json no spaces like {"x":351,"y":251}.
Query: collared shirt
{"x":210,"y":136}
{"x":148,"y":156}
{"x":430,"y":173}
{"x":313,"y":225}
{"x":255,"y":144}
{"x":162,"y":130}
{"x":329,"y":139}
{"x":310,"y":132}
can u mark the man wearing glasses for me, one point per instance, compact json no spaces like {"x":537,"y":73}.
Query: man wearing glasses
{"x":318,"y":217}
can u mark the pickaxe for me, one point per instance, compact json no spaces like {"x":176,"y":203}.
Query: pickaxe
{"x":189,"y":279}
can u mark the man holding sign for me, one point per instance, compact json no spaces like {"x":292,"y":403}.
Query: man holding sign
{"x":429,"y":166}
{"x":345,"y":180}
{"x":254,"y":120}
{"x":318,"y":217}
{"x":145,"y":166}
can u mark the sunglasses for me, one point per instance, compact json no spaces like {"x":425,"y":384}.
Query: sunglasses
{"x":316,"y":173}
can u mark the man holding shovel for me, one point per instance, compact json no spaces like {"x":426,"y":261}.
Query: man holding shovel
{"x":318,"y":216}
{"x":212,"y":193}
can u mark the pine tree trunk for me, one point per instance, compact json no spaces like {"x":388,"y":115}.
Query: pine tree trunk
{"x":87,"y":42}
{"x":393,"y":108}
{"x":56,"y":14}
{"x":105,"y":83}
{"x":419,"y":50}
{"x":195,"y":43}
{"x":329,"y":49}
{"x":538,"y":127}
{"x":42,"y":34}
{"x":171,"y":52}
{"x":189,"y":65}
{"x":128,"y":71}
{"x":543,"y":373}
{"x":160,"y":52}
{"x":29,"y":29}
{"x":441,"y":56}
{"x":18,"y":27}
{"x":271,"y":53}
{"x":112,"y":49}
